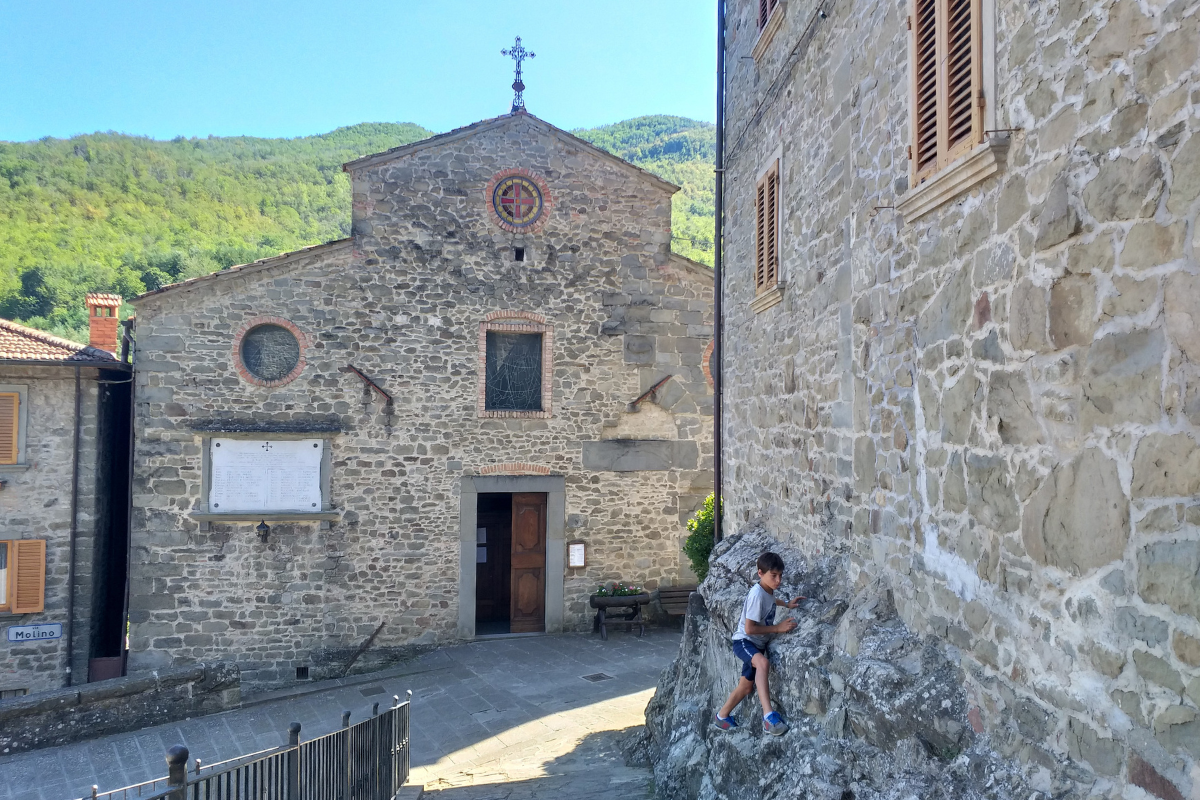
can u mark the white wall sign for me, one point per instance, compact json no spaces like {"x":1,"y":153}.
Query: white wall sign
{"x":266,"y":476}
{"x":35,"y":633}
{"x":576,"y":554}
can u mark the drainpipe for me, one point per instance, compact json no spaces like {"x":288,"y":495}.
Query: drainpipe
{"x":129,"y":354}
{"x":718,"y":326}
{"x":74,"y":534}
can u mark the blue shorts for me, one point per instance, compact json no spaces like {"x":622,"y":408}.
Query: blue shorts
{"x":746,"y":650}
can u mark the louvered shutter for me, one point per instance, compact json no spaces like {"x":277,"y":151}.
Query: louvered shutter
{"x":924,"y":99}
{"x":764,"y":12}
{"x":760,"y":237}
{"x":947,"y":113}
{"x":772,"y":265}
{"x":27,"y":571}
{"x":9,"y":406}
{"x":962,"y":80}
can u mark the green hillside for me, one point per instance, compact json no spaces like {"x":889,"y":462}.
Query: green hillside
{"x":123,"y":213}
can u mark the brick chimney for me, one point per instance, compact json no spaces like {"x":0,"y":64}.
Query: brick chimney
{"x":103,"y":323}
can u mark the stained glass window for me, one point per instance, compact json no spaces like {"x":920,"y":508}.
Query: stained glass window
{"x":513,"y":381}
{"x":518,"y":201}
{"x":270,"y":352}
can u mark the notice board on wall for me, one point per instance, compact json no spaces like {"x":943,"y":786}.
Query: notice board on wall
{"x":265,"y":475}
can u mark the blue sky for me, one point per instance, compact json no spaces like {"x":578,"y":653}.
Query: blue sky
{"x":165,"y":68}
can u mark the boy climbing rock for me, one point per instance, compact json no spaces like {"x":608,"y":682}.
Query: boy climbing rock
{"x":755,"y":629}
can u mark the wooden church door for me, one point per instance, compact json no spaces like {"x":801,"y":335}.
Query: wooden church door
{"x":528,"y":577}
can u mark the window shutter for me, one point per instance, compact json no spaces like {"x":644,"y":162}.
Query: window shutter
{"x":924,"y":99}
{"x":27,"y":568}
{"x":772,"y":265}
{"x":946,"y":91}
{"x":8,"y":427}
{"x":760,"y":236}
{"x":764,"y":12}
{"x":962,"y":78}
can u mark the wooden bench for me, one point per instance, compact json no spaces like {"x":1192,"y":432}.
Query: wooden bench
{"x":674,"y":599}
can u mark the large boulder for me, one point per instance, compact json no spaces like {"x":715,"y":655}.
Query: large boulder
{"x":875,"y":710}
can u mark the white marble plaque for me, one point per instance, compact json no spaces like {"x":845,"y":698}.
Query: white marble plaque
{"x":265,"y":475}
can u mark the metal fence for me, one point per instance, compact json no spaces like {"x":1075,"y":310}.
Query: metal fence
{"x":365,"y":761}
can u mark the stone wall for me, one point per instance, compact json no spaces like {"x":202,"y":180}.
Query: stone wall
{"x":36,"y":504}
{"x":403,"y":301}
{"x":993,"y":407}
{"x":62,"y":716}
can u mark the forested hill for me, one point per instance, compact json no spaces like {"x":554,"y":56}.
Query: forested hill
{"x":123,"y":213}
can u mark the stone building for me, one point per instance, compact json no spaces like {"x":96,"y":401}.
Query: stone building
{"x":962,"y":300}
{"x":64,"y":502}
{"x":503,"y":360}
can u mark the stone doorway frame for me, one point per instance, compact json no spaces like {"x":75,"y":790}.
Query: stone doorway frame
{"x":555,"y":489}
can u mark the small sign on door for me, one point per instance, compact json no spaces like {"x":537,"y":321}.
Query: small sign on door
{"x":35,"y":633}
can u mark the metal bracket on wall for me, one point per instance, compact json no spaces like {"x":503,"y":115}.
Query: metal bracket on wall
{"x":649,"y":392}
{"x":367,"y":381}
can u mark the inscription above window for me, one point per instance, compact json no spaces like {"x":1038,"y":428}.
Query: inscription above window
{"x":514,"y":372}
{"x":270,"y":352}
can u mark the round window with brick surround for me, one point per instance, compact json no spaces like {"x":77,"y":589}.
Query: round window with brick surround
{"x":269,"y":351}
{"x":519,"y":200}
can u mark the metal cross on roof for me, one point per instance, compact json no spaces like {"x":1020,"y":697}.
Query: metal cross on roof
{"x":518,"y":53}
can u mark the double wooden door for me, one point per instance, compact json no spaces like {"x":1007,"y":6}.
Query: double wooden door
{"x":527,"y":583}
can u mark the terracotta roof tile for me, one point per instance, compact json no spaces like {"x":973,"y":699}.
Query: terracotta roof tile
{"x":19,"y":343}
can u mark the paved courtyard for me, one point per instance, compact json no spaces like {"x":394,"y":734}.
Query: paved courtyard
{"x":497,"y":719}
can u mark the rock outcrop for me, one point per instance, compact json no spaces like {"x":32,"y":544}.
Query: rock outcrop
{"x":876,"y":711}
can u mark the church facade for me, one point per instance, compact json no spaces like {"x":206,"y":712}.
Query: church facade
{"x":458,"y":421}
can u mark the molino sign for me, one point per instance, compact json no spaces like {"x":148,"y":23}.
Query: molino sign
{"x":35,"y":633}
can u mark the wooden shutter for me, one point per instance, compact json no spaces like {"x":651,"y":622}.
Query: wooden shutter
{"x":27,"y":573}
{"x":962,"y":64}
{"x":772,"y":265}
{"x":760,"y":237}
{"x":9,"y":406}
{"x":766,"y":231}
{"x":947,"y":97}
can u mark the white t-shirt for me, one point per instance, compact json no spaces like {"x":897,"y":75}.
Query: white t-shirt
{"x":760,"y":607}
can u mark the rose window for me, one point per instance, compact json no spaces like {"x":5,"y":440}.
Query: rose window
{"x":518,"y":201}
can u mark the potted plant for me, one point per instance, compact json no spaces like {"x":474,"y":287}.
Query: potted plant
{"x":618,"y":594}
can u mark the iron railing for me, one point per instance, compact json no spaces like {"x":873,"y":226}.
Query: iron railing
{"x":365,"y":761}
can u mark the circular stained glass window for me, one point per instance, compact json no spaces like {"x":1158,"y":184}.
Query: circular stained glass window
{"x":270,"y":352}
{"x":518,"y":201}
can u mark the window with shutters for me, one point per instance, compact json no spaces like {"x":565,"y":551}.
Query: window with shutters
{"x":12,"y":425}
{"x":766,"y":231}
{"x":23,"y":576}
{"x":770,"y":20}
{"x":765,"y":7}
{"x":947,"y":83}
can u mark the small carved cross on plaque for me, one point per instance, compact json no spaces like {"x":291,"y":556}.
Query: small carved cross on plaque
{"x":267,"y":446}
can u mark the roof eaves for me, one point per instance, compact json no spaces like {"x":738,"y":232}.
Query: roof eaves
{"x":458,"y":133}
{"x":247,"y":269}
{"x":413,"y":147}
{"x":695,"y":267}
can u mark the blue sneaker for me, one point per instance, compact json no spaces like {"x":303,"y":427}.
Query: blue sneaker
{"x":774,"y":724}
{"x":727,"y":724}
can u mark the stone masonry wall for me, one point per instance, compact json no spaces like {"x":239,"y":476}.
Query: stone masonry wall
{"x":403,"y":301}
{"x":36,"y":504}
{"x":996,"y":407}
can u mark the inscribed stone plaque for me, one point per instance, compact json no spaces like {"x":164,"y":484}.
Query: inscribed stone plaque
{"x":266,"y":476}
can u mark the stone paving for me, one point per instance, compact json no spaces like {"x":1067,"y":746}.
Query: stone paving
{"x":496,"y":719}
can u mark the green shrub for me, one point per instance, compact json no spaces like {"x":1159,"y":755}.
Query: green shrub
{"x":699,"y":544}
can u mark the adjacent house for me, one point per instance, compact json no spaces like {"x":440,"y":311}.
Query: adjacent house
{"x":455,"y":423}
{"x":64,"y":503}
{"x":961,"y":304}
